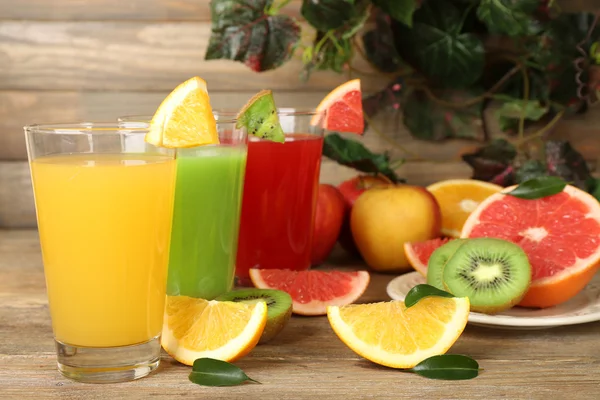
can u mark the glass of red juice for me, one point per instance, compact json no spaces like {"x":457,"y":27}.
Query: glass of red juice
{"x":279,"y":199}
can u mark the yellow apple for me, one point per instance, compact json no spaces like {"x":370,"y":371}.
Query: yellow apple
{"x":384,"y":218}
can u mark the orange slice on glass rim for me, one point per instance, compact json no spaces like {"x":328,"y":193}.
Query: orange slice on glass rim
{"x":184,"y":118}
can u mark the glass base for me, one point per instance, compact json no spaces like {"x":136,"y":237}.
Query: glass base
{"x":110,"y":364}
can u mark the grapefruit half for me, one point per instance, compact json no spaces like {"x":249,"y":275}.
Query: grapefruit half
{"x":313,"y":290}
{"x":560,"y":235}
{"x":418,"y":253}
{"x":341,"y":110}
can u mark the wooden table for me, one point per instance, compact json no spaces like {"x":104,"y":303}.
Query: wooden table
{"x":306,"y":361}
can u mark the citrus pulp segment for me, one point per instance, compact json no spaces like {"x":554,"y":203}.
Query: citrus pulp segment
{"x":313,"y":290}
{"x":195,"y":328}
{"x":390,"y":334}
{"x":184,"y":118}
{"x":418,"y":253}
{"x":458,"y":198}
{"x":259,"y":116}
{"x":341,"y":110}
{"x":560,"y":235}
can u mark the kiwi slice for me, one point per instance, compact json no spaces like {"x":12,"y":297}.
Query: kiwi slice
{"x":493,"y":273}
{"x":279,"y":307}
{"x":259,"y":116}
{"x":437,"y":262}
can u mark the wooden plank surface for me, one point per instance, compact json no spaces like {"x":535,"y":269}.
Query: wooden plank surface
{"x":133,"y":56}
{"x":306,"y":361}
{"x":174,"y":10}
{"x":99,"y":10}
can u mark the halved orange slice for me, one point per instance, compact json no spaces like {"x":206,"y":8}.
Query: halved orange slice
{"x":390,"y":334}
{"x":184,"y":118}
{"x":225,"y":330}
{"x":341,"y":110}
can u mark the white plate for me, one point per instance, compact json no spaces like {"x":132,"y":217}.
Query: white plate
{"x":585,"y":307}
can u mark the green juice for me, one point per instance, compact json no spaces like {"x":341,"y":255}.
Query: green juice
{"x":206,"y":219}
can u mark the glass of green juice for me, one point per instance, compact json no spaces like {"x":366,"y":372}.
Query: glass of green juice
{"x":206,"y":212}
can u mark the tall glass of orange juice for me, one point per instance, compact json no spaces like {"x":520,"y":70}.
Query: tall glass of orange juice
{"x":104,"y":203}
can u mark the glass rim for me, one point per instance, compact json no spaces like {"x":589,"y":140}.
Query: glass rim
{"x":84,"y":128}
{"x":281,"y":111}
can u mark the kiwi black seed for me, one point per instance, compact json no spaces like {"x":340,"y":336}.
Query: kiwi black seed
{"x":279,"y":307}
{"x":493,"y":273}
{"x":437,"y":262}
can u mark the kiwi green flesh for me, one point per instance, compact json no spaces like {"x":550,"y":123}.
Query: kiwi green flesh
{"x":437,"y":262}
{"x":279,"y":307}
{"x":493,"y":273}
{"x":261,"y":120}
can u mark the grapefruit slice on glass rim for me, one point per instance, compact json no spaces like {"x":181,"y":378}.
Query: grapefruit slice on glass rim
{"x":313,"y":290}
{"x":560,"y":235}
{"x":418,"y":253}
{"x":341,"y":110}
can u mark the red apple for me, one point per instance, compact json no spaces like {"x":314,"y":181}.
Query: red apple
{"x":328,"y":221}
{"x":351,"y":189}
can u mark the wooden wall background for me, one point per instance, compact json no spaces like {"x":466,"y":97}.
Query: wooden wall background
{"x":74,"y":60}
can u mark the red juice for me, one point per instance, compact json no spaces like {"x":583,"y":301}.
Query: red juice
{"x":278,"y":206}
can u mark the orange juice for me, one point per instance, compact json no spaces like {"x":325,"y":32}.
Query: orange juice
{"x":104,"y":222}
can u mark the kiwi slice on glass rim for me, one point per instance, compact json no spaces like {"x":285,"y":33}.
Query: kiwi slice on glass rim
{"x":279,"y":307}
{"x":493,"y":273}
{"x":259,"y":117}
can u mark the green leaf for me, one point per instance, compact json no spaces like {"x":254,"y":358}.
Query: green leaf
{"x":509,"y":17}
{"x":212,"y":372}
{"x":595,"y":188}
{"x":326,"y":15}
{"x":429,"y":120}
{"x":529,"y":170}
{"x":423,"y":290}
{"x":537,"y":188}
{"x":510,"y":112}
{"x":332,"y":54}
{"x":355,"y":155}
{"x":379,"y":45}
{"x":447,"y":367}
{"x":437,"y":47}
{"x":400,"y":10}
{"x":241,"y":30}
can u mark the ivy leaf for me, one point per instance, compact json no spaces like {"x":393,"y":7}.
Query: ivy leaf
{"x":379,"y":45}
{"x":326,"y":15}
{"x":539,"y":187}
{"x":510,"y":112}
{"x":429,"y":120}
{"x":417,"y":292}
{"x":447,"y":367}
{"x":564,"y":161}
{"x":509,"y":17}
{"x":242,"y":31}
{"x":388,"y":98}
{"x":355,"y":155}
{"x":213,"y":372}
{"x":400,"y":10}
{"x":437,"y":47}
{"x":529,"y":170}
{"x":493,"y":162}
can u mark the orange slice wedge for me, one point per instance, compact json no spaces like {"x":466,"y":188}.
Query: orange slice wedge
{"x":341,"y":110}
{"x":390,"y":334}
{"x":225,"y":330}
{"x":184,"y":118}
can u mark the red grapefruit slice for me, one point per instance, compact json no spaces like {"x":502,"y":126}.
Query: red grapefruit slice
{"x":559,"y":233}
{"x":342,"y":109}
{"x":418,"y":253}
{"x":312,"y":291}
